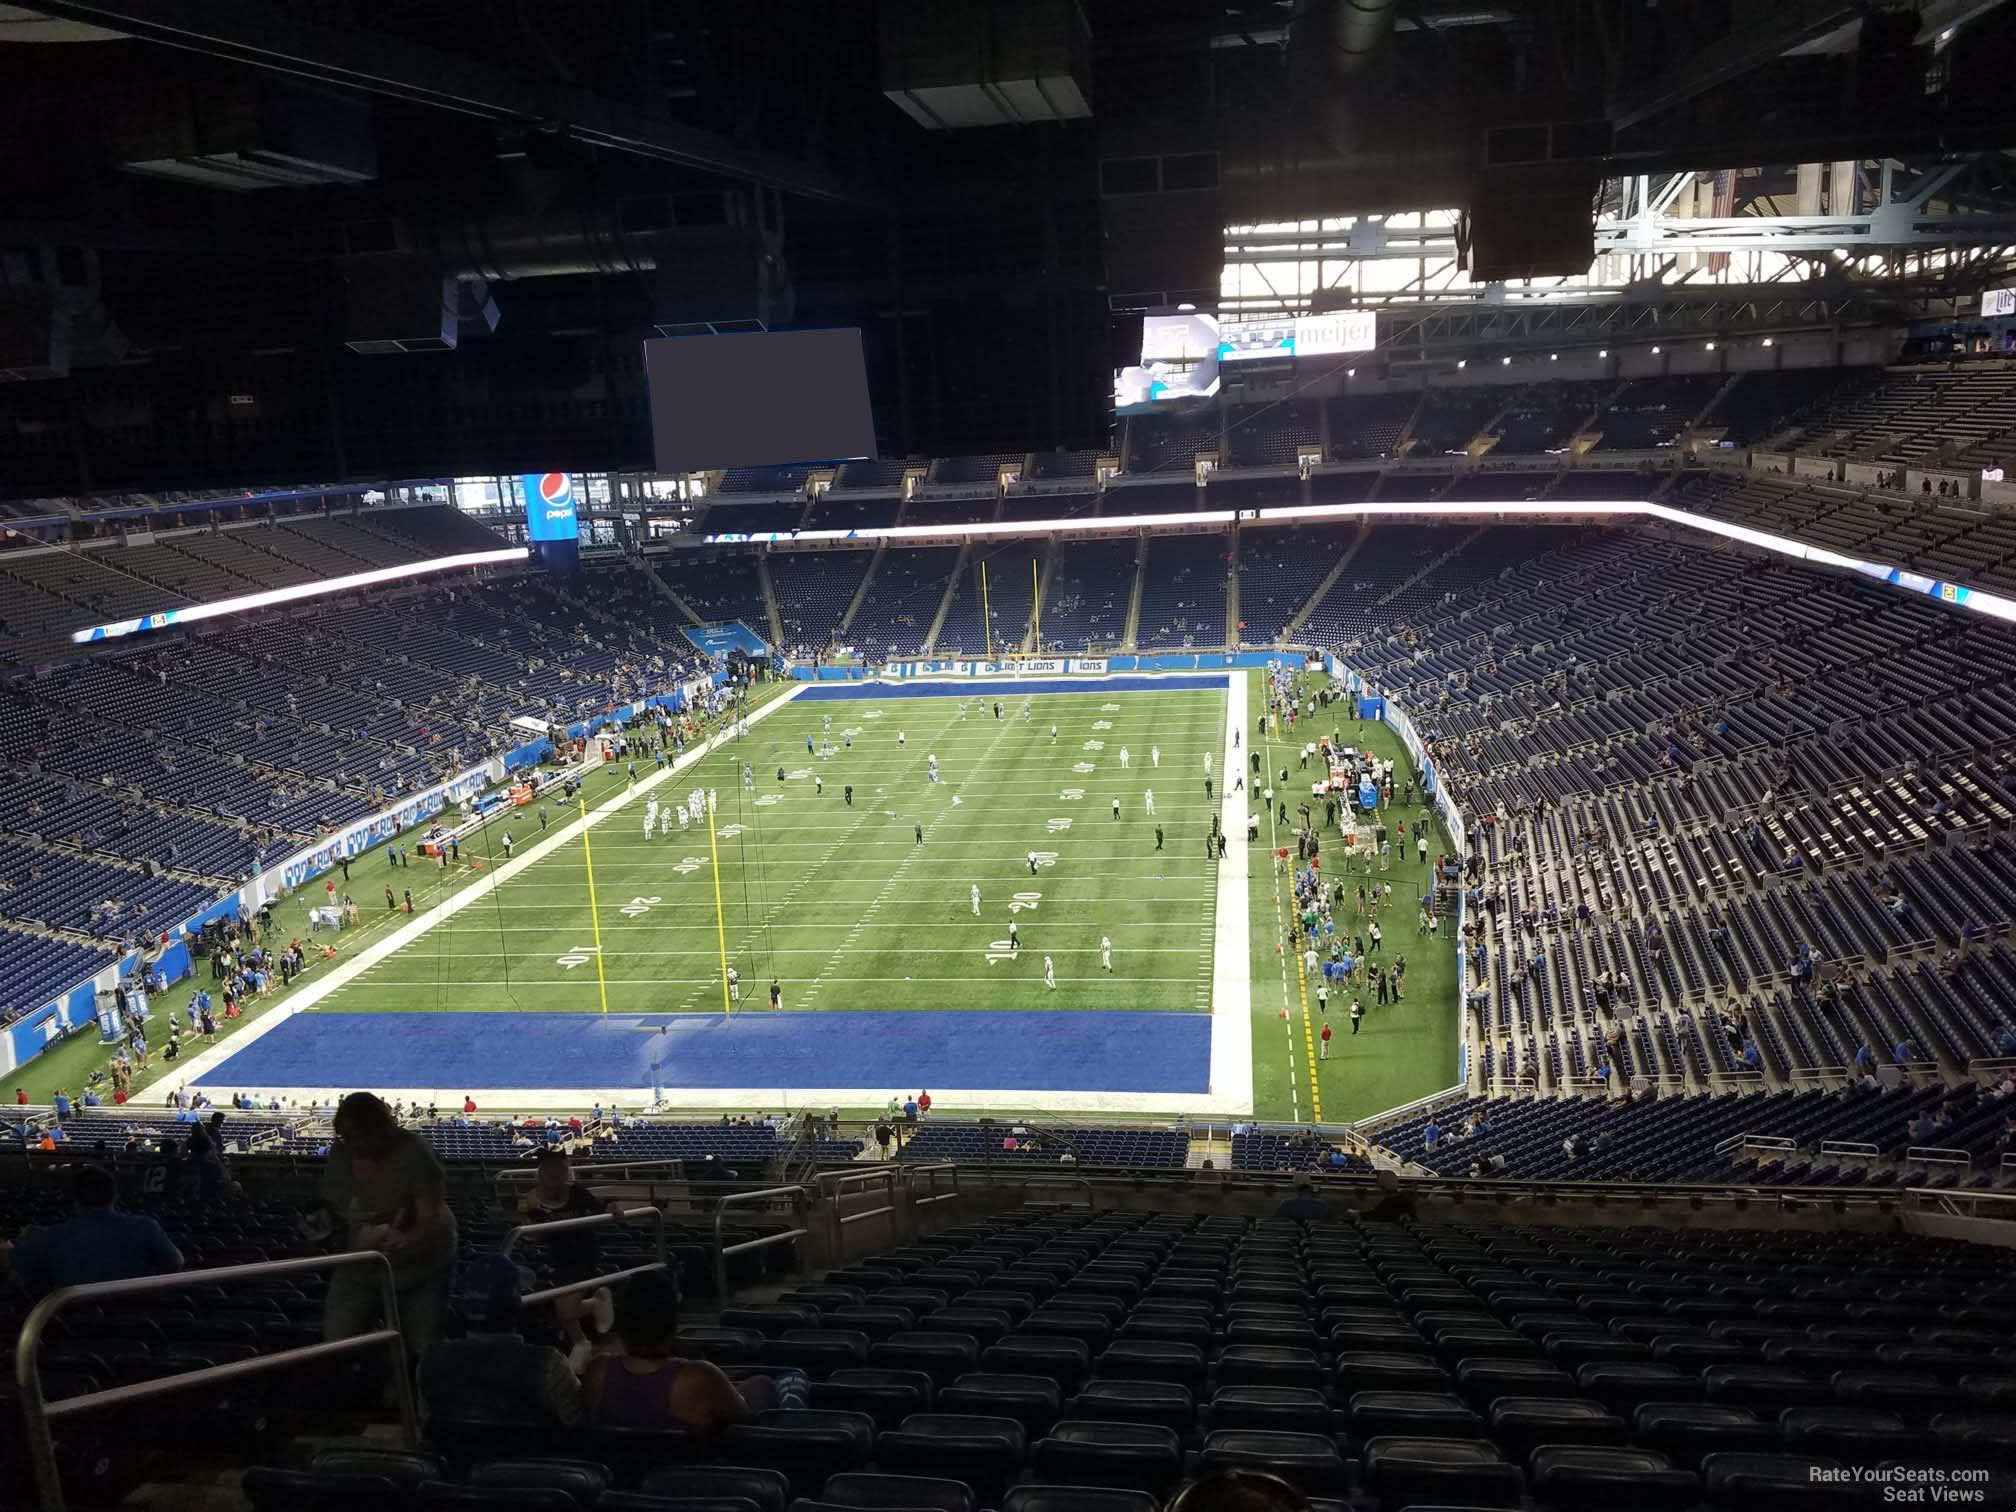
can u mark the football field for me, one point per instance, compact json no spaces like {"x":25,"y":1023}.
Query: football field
{"x":866,"y":901}
{"x":516,"y":980}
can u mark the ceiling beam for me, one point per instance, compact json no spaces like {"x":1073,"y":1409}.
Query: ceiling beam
{"x":260,"y":36}
{"x":1765,"y":30}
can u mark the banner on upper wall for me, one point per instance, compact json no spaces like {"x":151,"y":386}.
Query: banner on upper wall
{"x":550,"y":509}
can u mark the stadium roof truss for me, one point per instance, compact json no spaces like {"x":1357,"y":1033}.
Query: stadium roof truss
{"x":1898,"y":232}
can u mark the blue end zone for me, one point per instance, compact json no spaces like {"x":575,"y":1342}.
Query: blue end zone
{"x":1062,"y":1050}
{"x":990,"y":687}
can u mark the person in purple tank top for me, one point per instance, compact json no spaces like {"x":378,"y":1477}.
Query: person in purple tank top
{"x":649,"y":1386}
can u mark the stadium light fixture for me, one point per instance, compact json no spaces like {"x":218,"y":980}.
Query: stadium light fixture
{"x":1350,"y":372}
{"x":162,"y":619}
{"x":1767,"y":341}
{"x":1462,"y":362}
{"x":1655,"y":351}
{"x":1710,"y":346}
{"x":1504,"y":362}
{"x":1604,"y":353}
{"x":1553,"y":356}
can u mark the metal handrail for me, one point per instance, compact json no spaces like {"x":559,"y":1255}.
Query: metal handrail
{"x":1091,"y":1197}
{"x":1937,"y":1155}
{"x":931,"y":1195}
{"x":590,"y":1220}
{"x":830,"y":1184}
{"x":617,"y":1170}
{"x":1755,"y":1142}
{"x":37,"y":1412}
{"x":722,"y":1252}
{"x":1858,"y":1147}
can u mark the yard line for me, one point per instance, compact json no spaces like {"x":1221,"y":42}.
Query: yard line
{"x":903,"y":866}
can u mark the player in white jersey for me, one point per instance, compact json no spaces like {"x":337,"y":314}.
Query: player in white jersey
{"x":665,"y":820}
{"x":1123,"y":758}
{"x":1155,"y":757}
{"x":1150,"y":796}
{"x":1207,"y":763}
{"x":650,"y":817}
{"x":1049,"y":974}
{"x":1106,"y":952}
{"x":934,"y":768}
{"x":975,"y":890}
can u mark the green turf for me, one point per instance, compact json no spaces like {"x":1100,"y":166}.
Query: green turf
{"x":848,"y":912}
{"x":1402,"y":1051}
{"x":840,"y":903}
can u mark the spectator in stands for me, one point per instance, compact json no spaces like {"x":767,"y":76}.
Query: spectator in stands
{"x":1431,"y":1136}
{"x":648,"y":1386}
{"x":388,"y":1189}
{"x":575,"y":1255}
{"x":2005,"y":1039}
{"x":494,"y":1376}
{"x":1304,"y":1204}
{"x":97,"y":1244}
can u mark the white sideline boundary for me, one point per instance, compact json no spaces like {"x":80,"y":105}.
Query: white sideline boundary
{"x":1230,"y":1088}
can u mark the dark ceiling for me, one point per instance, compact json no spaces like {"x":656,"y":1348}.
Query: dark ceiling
{"x":249,"y":241}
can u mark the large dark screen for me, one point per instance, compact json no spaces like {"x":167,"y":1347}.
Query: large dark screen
{"x":749,"y":401}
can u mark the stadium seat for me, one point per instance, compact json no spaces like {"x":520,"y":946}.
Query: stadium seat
{"x":582,"y":1482}
{"x":1307,"y":1460}
{"x":1137,"y":1456}
{"x":1520,"y":1424}
{"x":1077,"y":1499}
{"x":1157,"y":1402}
{"x":1583,"y":1478}
{"x":765,"y":1490}
{"x":984,"y":1452}
{"x":909,"y":1493}
{"x":1030,"y":1400}
{"x":1742,"y":1482}
{"x":1421,"y":1472}
{"x":1687,"y":1431}
{"x":273,"y":1490}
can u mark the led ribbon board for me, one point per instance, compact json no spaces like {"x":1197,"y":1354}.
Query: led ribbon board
{"x":189,"y":614}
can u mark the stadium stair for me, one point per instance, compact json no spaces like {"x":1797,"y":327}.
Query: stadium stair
{"x":1033,"y":642}
{"x":861,"y":593}
{"x":1289,"y":630}
{"x":1454,"y":551}
{"x":1129,"y":639}
{"x":1233,"y":635}
{"x":1405,"y":440}
{"x":666,"y":588}
{"x":945,"y":600}
{"x":770,"y":613}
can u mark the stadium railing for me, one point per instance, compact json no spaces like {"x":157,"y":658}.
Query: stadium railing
{"x":831,"y":1185}
{"x":801,"y":1200}
{"x":591,"y":1220}
{"x":38,"y":1413}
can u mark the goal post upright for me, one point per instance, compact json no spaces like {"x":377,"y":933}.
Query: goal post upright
{"x":594,"y":914}
{"x":720,"y":919}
